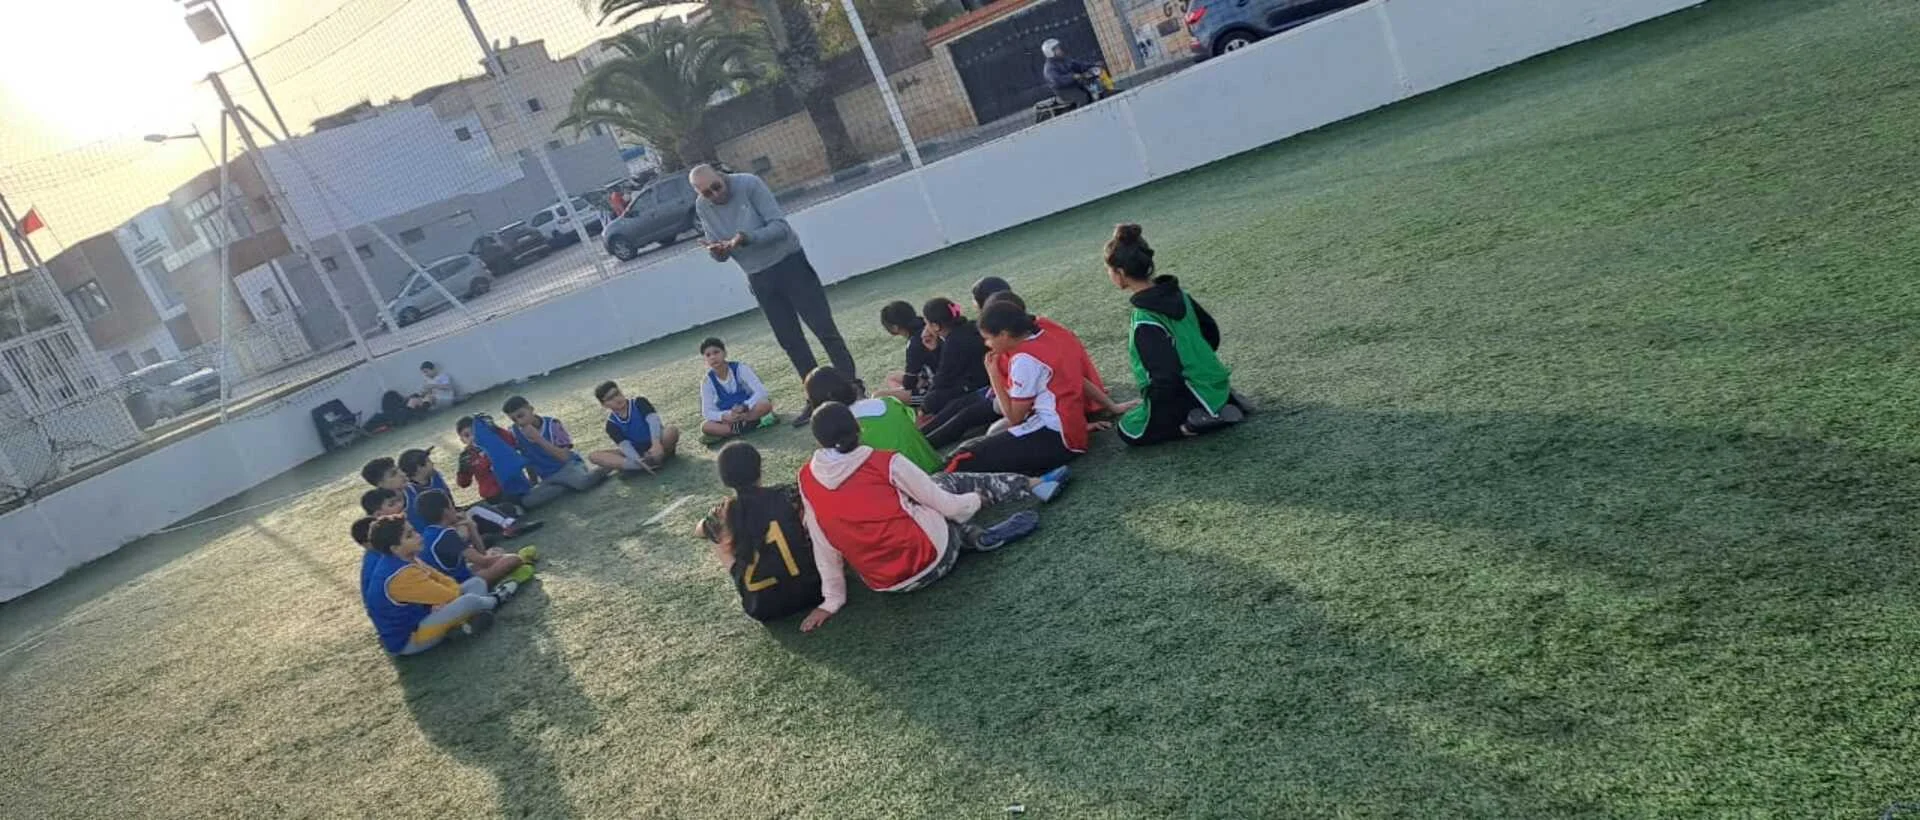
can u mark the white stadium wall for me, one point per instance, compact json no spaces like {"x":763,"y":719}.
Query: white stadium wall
{"x":1332,"y":69}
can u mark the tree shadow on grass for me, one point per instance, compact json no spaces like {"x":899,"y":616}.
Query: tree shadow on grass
{"x":1153,"y":682}
{"x":504,"y":700}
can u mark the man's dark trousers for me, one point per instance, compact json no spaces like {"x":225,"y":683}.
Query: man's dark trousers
{"x":789,"y":293}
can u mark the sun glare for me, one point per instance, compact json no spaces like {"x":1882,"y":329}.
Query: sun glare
{"x":76,"y":72}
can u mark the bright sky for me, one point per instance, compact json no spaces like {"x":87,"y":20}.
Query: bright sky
{"x":81,"y":81}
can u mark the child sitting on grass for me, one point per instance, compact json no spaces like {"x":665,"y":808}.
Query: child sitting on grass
{"x":413,"y":606}
{"x":381,"y":502}
{"x":552,"y":465}
{"x":759,"y":537}
{"x":423,"y":476}
{"x":886,"y":424}
{"x":909,"y":385}
{"x":1184,"y":389}
{"x":641,"y":442}
{"x":959,"y":402}
{"x":1041,"y":387}
{"x":476,"y":467}
{"x":733,"y":401}
{"x":878,"y":512}
{"x":446,"y":548}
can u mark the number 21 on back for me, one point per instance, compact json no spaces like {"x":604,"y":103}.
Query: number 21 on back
{"x":778,"y":538}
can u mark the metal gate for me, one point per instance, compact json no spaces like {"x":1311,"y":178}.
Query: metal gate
{"x":1000,"y":62}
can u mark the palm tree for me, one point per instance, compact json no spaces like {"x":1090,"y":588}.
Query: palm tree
{"x":796,"y":45}
{"x":659,"y":88}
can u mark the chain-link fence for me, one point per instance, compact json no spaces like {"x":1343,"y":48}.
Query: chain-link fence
{"x":393,"y":171}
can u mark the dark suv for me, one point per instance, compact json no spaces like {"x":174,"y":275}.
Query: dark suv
{"x":1220,"y":26}
{"x":510,"y":247}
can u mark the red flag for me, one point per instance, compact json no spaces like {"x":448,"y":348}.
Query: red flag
{"x":31,"y":222}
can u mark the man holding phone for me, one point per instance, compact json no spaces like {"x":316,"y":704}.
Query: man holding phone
{"x":740,"y":221}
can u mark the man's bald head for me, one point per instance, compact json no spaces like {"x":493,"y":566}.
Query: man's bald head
{"x":708,"y":182}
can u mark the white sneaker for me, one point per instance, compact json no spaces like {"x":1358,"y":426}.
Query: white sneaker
{"x":504,"y":592}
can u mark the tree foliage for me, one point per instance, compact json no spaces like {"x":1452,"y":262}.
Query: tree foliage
{"x":661,"y":85}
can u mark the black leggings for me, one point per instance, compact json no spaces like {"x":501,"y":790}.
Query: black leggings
{"x":1032,"y":454}
{"x":960,"y":417}
{"x":1165,"y":422}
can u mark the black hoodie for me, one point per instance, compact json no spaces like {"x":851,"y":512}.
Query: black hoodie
{"x":1166,"y":379}
{"x":963,"y":367}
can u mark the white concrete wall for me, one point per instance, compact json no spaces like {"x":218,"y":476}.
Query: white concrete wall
{"x":1321,"y":73}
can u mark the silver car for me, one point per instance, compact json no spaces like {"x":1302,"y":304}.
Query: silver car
{"x":463,"y":275}
{"x":660,"y":212}
{"x":166,"y":389}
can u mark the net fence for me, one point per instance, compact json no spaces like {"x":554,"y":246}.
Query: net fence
{"x":389,"y":172}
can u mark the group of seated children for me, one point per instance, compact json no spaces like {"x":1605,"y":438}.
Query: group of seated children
{"x":1016,"y":396}
{"x":878,"y":496}
{"x":426,"y":570}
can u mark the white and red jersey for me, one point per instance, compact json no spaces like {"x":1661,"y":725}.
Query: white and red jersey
{"x":1047,"y":370}
{"x":875,"y":510}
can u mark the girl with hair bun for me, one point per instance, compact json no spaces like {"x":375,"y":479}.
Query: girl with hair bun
{"x":1184,"y":389}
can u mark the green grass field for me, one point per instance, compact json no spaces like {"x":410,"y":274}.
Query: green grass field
{"x":1585,"y":488}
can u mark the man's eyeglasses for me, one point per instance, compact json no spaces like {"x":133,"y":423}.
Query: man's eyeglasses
{"x":714,"y":189}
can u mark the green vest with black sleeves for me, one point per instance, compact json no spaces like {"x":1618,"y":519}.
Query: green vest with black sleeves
{"x":1206,"y":377}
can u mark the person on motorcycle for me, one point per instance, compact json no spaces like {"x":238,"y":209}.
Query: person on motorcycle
{"x":1071,"y":80}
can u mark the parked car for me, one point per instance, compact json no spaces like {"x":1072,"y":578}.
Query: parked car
{"x":169,"y":388}
{"x":464,"y":275}
{"x":1220,"y":26}
{"x":660,"y":213}
{"x":552,"y":221}
{"x":509,"y":248}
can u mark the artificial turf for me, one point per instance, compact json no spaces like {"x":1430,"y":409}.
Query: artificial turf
{"x":1584,"y":486}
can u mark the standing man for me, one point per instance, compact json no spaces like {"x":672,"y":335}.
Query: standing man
{"x":742,"y":222}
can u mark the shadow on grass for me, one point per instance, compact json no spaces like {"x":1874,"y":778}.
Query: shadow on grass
{"x":1728,"y":514}
{"x":1157,"y":683}
{"x":503,"y":701}
{"x":1155,"y":675}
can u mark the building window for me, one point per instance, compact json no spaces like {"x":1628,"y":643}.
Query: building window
{"x":328,"y":264}
{"x":534,"y":106}
{"x":149,"y":356}
{"x":123,"y":362}
{"x":89,"y":300}
{"x":413,"y":236}
{"x":554,"y":145}
{"x":463,"y":133}
{"x":524,"y":154}
{"x":204,"y":213}
{"x":497,"y":113}
{"x":598,"y":130}
{"x":364,"y":251}
{"x":762,"y":165}
{"x":270,"y":299}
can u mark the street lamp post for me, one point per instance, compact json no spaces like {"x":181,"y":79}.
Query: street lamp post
{"x":192,"y":135}
{"x":207,"y":34}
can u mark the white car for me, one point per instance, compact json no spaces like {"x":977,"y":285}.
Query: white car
{"x":463,"y":275}
{"x":552,"y":221}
